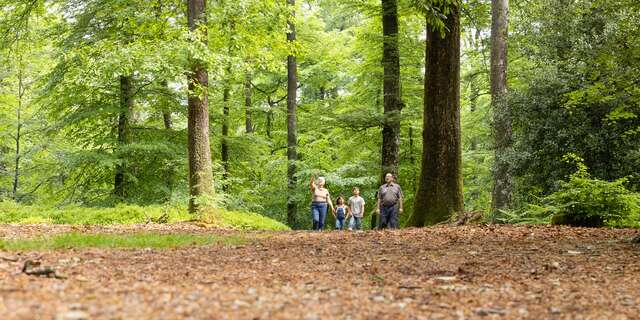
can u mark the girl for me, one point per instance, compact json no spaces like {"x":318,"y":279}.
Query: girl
{"x":340,"y":213}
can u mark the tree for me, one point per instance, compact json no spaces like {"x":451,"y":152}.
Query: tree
{"x":200,"y":174}
{"x":439,"y":194}
{"x":124,"y":136}
{"x":292,"y":138}
{"x":247,"y":103}
{"x":391,"y":89}
{"x":502,"y":180}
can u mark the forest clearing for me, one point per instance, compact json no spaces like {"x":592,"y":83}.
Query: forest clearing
{"x":443,"y":272}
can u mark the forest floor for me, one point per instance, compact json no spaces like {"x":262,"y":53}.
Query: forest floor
{"x":467,"y":272}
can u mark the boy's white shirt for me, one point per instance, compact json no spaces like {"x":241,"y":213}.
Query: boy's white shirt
{"x":355,"y":198}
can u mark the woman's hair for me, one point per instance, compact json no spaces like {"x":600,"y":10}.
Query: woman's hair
{"x":355,"y":188}
{"x":321,"y":180}
{"x":340,"y":198}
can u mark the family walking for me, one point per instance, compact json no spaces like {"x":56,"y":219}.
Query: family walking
{"x":389,"y":204}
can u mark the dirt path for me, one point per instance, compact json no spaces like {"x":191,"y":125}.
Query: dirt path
{"x":501,"y":272}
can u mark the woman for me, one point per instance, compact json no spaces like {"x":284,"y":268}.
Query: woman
{"x":320,"y":198}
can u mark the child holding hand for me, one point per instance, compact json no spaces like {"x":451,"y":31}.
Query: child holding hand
{"x":340,"y":213}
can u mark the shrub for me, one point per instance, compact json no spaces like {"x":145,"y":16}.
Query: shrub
{"x":583,"y":201}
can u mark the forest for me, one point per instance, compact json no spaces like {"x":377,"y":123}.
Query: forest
{"x":510,"y":126}
{"x":98,"y":100}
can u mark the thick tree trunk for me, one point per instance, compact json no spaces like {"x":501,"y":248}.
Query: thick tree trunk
{"x":391,"y":89}
{"x":126,"y":108}
{"x":439,"y":194}
{"x":247,"y":103}
{"x":200,"y":175}
{"x":502,"y":180}
{"x":292,"y":140}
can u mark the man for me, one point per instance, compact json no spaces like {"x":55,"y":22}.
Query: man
{"x":389,"y":203}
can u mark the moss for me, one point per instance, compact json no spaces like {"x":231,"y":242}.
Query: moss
{"x":11,"y":212}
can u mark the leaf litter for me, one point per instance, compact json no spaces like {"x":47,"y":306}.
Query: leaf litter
{"x":445,"y":272}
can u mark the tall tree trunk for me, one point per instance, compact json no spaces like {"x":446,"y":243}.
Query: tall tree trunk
{"x":502,"y":180}
{"x":374,"y":215}
{"x":439,"y":194}
{"x":226,"y":109}
{"x":292,"y":140}
{"x":224,"y":154}
{"x":391,"y":89}
{"x":200,"y":175}
{"x":168,"y":126}
{"x":16,"y":172}
{"x":247,"y":103}
{"x":126,"y":108}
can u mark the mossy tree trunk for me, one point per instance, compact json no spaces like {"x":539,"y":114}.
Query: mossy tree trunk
{"x":126,"y":109}
{"x":439,"y":194}
{"x":200,"y":175}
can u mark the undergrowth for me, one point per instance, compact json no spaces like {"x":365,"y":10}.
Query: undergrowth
{"x":11,"y":212}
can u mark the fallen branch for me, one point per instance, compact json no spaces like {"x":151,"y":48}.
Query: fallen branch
{"x":33,"y":268}
{"x":11,"y":259}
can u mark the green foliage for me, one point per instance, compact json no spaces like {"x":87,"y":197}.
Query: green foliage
{"x":11,"y":212}
{"x":583,"y":201}
{"x":573,"y":82}
{"x":577,"y":91}
{"x":140,"y":240}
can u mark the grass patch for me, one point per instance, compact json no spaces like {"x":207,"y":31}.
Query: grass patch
{"x":11,"y":212}
{"x":105,"y":240}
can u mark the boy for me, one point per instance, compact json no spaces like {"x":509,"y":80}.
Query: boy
{"x":356,"y":208}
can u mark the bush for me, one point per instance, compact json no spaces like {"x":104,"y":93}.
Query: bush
{"x":583,"y":201}
{"x":11,"y":212}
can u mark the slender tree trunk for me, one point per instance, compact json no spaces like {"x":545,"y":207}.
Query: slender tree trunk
{"x":168,"y":126}
{"x":269,"y":116}
{"x":226,"y":110}
{"x":126,"y":108}
{"x":391,"y":89}
{"x":200,"y":174}
{"x":16,"y":173}
{"x":439,"y":194}
{"x":166,"y":115}
{"x":292,"y":140}
{"x":502,"y":180}
{"x":247,"y":103}
{"x":168,"y":122}
{"x":18,"y":156}
{"x":412,"y":161}
{"x":374,"y":215}
{"x":224,"y":154}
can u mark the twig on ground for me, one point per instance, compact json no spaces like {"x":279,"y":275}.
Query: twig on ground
{"x":33,"y":268}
